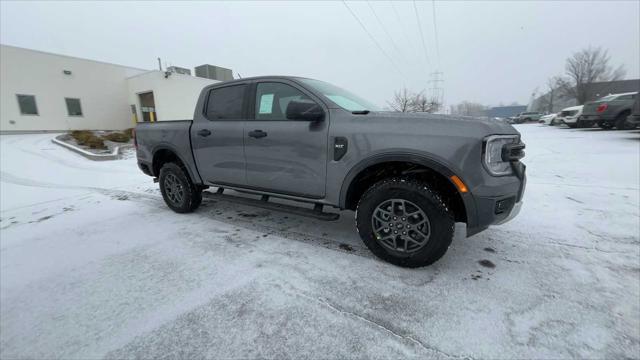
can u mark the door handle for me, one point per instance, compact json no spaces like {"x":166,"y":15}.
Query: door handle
{"x":257,"y":134}
{"x":204,"y":132}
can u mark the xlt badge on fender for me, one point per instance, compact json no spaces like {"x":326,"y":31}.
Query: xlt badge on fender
{"x":339,"y":148}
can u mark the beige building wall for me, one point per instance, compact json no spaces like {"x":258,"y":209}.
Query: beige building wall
{"x":101,"y":87}
{"x":175,"y":96}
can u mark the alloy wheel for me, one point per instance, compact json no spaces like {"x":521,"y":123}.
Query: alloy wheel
{"x":400,"y":225}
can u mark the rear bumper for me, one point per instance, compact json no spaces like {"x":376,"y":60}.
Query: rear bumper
{"x":500,"y":204}
{"x":145,"y":167}
{"x":596,"y":118}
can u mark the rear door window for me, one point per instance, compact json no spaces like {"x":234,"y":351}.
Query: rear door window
{"x":226,"y":103}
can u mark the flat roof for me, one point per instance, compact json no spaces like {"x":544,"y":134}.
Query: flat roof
{"x":73,"y":57}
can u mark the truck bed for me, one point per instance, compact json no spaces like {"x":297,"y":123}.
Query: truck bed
{"x":173,"y":135}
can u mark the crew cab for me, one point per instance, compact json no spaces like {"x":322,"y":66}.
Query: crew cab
{"x":408,"y":177}
{"x":609,"y":111}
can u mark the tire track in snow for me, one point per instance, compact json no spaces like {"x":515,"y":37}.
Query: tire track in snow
{"x":12,"y":179}
{"x":156,"y":201}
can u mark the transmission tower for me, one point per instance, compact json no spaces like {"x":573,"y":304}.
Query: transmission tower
{"x":436,"y":90}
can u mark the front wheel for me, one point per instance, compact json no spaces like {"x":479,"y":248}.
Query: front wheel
{"x":405,"y":222}
{"x":178,"y":191}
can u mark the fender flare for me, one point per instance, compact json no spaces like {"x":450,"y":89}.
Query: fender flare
{"x":429,"y":162}
{"x":195,"y":177}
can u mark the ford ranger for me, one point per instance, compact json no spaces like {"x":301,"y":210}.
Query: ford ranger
{"x":408,"y":177}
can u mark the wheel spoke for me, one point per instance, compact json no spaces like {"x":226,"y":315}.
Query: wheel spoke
{"x":400,"y":225}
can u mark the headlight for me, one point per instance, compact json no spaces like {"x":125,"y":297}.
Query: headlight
{"x":499,"y":151}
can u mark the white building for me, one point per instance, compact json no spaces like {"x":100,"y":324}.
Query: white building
{"x":41,"y":91}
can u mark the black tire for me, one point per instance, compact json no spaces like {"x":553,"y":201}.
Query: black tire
{"x":622,"y":123}
{"x":178,"y":191}
{"x":573,"y":126}
{"x":418,"y":195}
{"x":604,"y":125}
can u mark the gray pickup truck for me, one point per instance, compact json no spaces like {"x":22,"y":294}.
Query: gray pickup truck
{"x":408,"y":177}
{"x":609,"y":111}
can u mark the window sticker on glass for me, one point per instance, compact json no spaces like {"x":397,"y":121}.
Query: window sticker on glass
{"x":266,"y":104}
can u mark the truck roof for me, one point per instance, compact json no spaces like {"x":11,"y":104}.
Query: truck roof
{"x":261,"y":77}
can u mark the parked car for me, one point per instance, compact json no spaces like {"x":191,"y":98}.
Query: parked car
{"x":609,"y":111}
{"x":549,"y":119}
{"x":409,"y":177}
{"x":570,"y":115}
{"x":528,"y":116}
{"x":634,"y":118}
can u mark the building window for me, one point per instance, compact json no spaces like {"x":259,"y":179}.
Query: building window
{"x":73,"y":107}
{"x":27,"y":104}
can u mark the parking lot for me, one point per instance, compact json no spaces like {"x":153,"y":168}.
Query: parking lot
{"x":93,"y":264}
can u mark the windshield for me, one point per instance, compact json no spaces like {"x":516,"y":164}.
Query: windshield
{"x":341,"y":97}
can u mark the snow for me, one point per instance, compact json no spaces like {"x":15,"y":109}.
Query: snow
{"x":93,"y":264}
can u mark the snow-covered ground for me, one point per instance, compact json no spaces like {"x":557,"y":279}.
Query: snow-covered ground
{"x":93,"y":264}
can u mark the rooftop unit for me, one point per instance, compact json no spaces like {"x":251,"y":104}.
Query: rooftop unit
{"x":214,"y":72}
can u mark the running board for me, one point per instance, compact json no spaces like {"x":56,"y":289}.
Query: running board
{"x":264,"y":203}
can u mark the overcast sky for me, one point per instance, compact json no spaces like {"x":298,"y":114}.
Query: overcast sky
{"x":490,"y":52}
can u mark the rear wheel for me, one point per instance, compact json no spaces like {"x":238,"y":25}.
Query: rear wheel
{"x":573,"y":126}
{"x":178,"y":192}
{"x":405,"y":222}
{"x":622,"y":123}
{"x":604,"y":125}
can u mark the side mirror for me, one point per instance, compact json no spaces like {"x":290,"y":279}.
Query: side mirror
{"x":304,"y":110}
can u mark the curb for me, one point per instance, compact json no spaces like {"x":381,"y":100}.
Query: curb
{"x":114,"y":155}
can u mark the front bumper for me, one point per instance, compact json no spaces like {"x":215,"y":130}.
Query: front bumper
{"x":500,"y":204}
{"x":514,"y":212}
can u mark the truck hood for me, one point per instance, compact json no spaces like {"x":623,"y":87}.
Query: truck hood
{"x":433,"y":124}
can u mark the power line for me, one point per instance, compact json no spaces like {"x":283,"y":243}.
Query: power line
{"x":385,"y":31}
{"x":435,"y":31}
{"x":424,"y":45}
{"x":404,"y":33}
{"x":373,"y":39}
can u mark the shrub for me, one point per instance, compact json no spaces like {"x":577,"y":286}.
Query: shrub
{"x":82,"y":136}
{"x":95,"y":143}
{"x":87,"y":138}
{"x":117,"y":137}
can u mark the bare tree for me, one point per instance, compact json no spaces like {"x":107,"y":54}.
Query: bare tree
{"x":402,"y":101}
{"x":586,"y":67}
{"x":421,"y":103}
{"x":548,"y":100}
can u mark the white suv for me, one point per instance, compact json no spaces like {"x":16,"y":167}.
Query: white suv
{"x":570,"y":116}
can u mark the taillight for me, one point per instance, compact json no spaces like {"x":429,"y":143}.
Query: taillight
{"x":135,"y":140}
{"x":602,"y":107}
